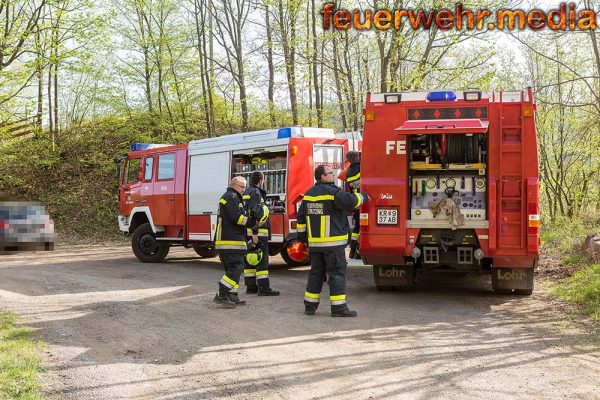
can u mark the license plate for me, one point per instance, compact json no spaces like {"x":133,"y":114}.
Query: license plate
{"x":387,"y":217}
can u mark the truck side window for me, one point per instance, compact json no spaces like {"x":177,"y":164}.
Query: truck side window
{"x":148,"y":168}
{"x":132,"y":173}
{"x":166,"y":166}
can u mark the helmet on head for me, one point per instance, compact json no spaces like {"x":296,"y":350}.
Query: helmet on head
{"x":254,"y":255}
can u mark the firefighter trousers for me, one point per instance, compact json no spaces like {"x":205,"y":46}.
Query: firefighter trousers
{"x":258,"y":275}
{"x":330,"y":265}
{"x":234,"y":264}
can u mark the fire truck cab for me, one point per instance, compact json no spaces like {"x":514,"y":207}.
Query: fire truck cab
{"x":453,"y":178}
{"x":169,"y":195}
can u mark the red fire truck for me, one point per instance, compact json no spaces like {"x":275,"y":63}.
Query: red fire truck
{"x":169,"y":195}
{"x":453,"y":178}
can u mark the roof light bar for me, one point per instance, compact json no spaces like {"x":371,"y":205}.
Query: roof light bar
{"x":444,"y":95}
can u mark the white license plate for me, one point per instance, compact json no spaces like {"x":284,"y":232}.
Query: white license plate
{"x":387,"y":217}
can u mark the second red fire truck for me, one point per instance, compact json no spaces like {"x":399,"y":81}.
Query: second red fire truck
{"x":169,"y":195}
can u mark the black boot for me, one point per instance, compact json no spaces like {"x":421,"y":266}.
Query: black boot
{"x":235,"y":299}
{"x":344,"y":313}
{"x":223,"y":300}
{"x":309,"y":311}
{"x":251,"y":289}
{"x":267,"y":292}
{"x":353,"y":246}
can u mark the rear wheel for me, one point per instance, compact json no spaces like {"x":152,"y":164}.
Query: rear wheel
{"x":205,"y":252}
{"x":145,"y":246}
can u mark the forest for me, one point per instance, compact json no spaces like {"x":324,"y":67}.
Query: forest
{"x":81,"y":80}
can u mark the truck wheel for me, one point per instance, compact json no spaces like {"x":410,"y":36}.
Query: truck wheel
{"x":524,"y":292}
{"x":145,"y":246}
{"x":384,"y":288}
{"x":205,"y":252}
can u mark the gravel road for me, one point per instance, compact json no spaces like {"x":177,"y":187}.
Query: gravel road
{"x":119,"y":329}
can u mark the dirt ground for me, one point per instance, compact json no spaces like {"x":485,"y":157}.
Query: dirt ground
{"x":117,"y":329}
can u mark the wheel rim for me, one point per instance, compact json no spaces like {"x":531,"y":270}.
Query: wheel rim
{"x":148,"y":244}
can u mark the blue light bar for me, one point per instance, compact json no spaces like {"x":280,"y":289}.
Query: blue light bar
{"x":146,"y":146}
{"x":445,"y":95}
{"x":284,"y":133}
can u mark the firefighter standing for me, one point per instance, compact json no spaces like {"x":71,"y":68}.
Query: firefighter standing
{"x":230,"y":241}
{"x":256,"y":276}
{"x":353,"y":186}
{"x":323,"y":223}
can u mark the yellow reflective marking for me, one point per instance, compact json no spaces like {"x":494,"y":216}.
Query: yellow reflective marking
{"x":323,"y":224}
{"x":353,"y":178}
{"x":330,"y":238}
{"x":231,"y":242}
{"x":312,"y":295}
{"x":259,"y":273}
{"x":318,"y":198}
{"x":229,"y":280}
{"x":240,"y":220}
{"x":360,"y":199}
{"x":223,"y":201}
{"x":338,"y":297}
{"x":246,"y":197}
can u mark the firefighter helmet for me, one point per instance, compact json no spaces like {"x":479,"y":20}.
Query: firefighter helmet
{"x":298,"y":251}
{"x":254,"y":255}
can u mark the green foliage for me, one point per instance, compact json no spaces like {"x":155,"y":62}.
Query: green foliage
{"x":583,"y":289}
{"x":77,"y":182}
{"x":566,"y":235}
{"x":20,"y":361}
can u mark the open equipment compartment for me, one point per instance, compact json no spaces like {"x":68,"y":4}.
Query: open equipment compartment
{"x":273,"y":164}
{"x":444,"y":165}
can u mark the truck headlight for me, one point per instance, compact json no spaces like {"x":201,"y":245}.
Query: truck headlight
{"x":478,"y":254}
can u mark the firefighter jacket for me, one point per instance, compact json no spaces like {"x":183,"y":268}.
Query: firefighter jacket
{"x":232,"y":220}
{"x":254,"y":200}
{"x":353,"y":178}
{"x":322,"y":216}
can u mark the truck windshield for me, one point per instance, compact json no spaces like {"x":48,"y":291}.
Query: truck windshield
{"x":132,"y":171}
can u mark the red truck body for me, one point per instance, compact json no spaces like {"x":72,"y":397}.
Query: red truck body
{"x":169,"y":194}
{"x":478,"y":149}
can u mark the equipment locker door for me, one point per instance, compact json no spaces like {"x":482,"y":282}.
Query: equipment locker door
{"x":208,"y":179}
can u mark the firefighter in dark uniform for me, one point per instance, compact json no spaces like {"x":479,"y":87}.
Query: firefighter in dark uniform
{"x":353,"y":186}
{"x":323,"y":223}
{"x":230,"y":241}
{"x":256,"y":277}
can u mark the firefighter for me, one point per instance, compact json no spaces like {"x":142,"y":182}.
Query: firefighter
{"x":353,"y":186}
{"x":323,"y":223}
{"x":256,"y":273}
{"x":230,"y":241}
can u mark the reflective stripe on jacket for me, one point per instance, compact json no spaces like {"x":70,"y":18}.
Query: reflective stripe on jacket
{"x":254,"y":197}
{"x":322,"y":215}
{"x":353,"y":178}
{"x":232,"y":219}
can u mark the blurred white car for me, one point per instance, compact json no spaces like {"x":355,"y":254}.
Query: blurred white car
{"x":25,"y":226}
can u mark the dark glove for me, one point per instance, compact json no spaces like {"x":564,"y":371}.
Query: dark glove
{"x":251,"y":221}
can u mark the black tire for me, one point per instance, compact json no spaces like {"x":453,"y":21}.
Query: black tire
{"x":384,"y":288}
{"x":145,"y":246}
{"x":205,"y":252}
{"x":288,"y":260}
{"x":503,"y":291}
{"x":524,"y":292}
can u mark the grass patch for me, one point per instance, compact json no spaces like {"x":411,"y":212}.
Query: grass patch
{"x":583,"y":289}
{"x":20,"y":361}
